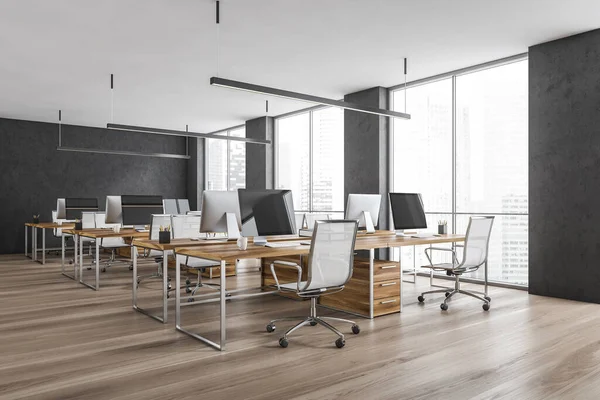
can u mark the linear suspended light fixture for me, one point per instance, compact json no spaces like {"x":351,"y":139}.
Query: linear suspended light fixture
{"x":186,"y":133}
{"x":123,"y":153}
{"x":249,"y":87}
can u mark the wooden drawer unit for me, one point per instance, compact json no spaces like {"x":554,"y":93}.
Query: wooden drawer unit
{"x":355,"y":296}
{"x":216,"y":271}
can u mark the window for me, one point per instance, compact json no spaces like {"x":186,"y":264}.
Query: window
{"x":226,"y":162}
{"x":476,"y":167}
{"x":310,"y":159}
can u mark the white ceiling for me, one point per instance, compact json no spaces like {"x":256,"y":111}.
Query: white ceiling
{"x":59,"y":54}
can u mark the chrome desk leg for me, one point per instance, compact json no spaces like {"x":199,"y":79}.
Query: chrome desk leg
{"x":26,"y":253}
{"x":163,"y":319}
{"x":402,"y":281}
{"x":43,"y":246}
{"x":62,"y":261}
{"x":75,"y":260}
{"x":34,"y":243}
{"x":97,"y":266}
{"x":165,"y":273}
{"x":223,"y":318}
{"x":371,"y":272}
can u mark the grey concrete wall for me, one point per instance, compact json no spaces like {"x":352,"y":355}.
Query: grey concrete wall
{"x":366,"y":166}
{"x":195,"y":172}
{"x":259,"y":157}
{"x":564,"y":168}
{"x":34,"y":174}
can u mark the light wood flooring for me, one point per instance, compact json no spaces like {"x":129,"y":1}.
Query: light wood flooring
{"x":60,"y":340}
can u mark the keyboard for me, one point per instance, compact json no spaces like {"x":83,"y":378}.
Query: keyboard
{"x":142,"y":230}
{"x":423,"y":235}
{"x":285,"y":244}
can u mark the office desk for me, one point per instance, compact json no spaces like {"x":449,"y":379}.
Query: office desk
{"x":98,"y":234}
{"x":224,"y":253}
{"x":164,"y":248}
{"x":34,"y":228}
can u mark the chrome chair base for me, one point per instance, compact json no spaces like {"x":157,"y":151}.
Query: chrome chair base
{"x":313,"y":320}
{"x":450,"y":292}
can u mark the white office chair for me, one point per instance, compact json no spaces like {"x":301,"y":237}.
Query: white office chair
{"x":158,"y":221}
{"x":330,"y":265}
{"x":57,"y":232}
{"x":183,"y":205}
{"x":475,"y":255}
{"x":187,"y":227}
{"x":111,"y":244}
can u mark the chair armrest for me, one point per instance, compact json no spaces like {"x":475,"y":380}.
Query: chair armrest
{"x":428,"y":249}
{"x":289,"y":265}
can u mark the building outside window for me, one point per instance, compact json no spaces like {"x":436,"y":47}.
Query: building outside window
{"x":226,"y":162}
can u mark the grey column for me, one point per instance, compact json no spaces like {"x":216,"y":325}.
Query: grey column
{"x":260,"y":158}
{"x":564,"y":168}
{"x":366,"y":144}
{"x":195,"y":172}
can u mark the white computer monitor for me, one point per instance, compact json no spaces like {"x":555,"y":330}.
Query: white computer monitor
{"x":365,"y":209}
{"x":114,"y":213}
{"x":61,"y":209}
{"x":221,"y":213}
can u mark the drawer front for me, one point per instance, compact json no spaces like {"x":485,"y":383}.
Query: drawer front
{"x":383,"y":289}
{"x":386,"y":305}
{"x":382,"y":270}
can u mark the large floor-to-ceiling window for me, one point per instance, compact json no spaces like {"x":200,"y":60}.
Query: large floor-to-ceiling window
{"x":465,"y":150}
{"x":310,"y":159}
{"x":226,"y":162}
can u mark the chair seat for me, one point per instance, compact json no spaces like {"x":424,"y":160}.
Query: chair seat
{"x":444,"y":266}
{"x":292,"y":286}
{"x":158,"y":253}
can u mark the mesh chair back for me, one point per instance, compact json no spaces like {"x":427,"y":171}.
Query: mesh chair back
{"x":331,"y":254}
{"x":88,"y":220}
{"x":186,"y":226}
{"x":100,"y":222}
{"x":158,"y":221}
{"x":170,"y":206}
{"x":477,"y":241}
{"x":183,"y":205}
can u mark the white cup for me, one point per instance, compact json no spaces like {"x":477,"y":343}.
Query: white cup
{"x":242,"y":243}
{"x":59,"y":223}
{"x":116,"y":229}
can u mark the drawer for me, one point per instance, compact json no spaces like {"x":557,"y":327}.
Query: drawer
{"x":384,"y":289}
{"x":382,"y":270}
{"x":386,"y":305}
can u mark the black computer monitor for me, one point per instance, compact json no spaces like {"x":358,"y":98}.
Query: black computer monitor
{"x":138,"y":210}
{"x":267,"y":213}
{"x":74,"y":206}
{"x":407,"y":211}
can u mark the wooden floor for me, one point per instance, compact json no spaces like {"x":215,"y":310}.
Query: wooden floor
{"x":60,"y":340}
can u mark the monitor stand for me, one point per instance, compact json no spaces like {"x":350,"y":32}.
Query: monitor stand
{"x":370,"y":228}
{"x":233,"y":233}
{"x":260,"y":240}
{"x":139,"y":228}
{"x":404,"y":233}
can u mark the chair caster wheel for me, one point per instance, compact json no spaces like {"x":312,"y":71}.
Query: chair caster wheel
{"x":103,"y":270}
{"x":340,"y":343}
{"x":488,"y":298}
{"x":313,"y":323}
{"x":131,"y":267}
{"x":89,"y":268}
{"x":283,"y":342}
{"x":270,"y":328}
{"x":188,"y":290}
{"x":486,"y":307}
{"x":355,"y":329}
{"x":421,"y":299}
{"x":191,"y":300}
{"x":447,"y":294}
{"x":444,"y":306}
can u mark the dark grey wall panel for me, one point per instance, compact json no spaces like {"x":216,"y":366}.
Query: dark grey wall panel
{"x":195,"y":171}
{"x":260,"y":157}
{"x":564,"y":168}
{"x":34,"y":174}
{"x":366,"y":168}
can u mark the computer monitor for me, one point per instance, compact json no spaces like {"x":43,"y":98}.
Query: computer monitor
{"x":221,"y":213}
{"x":407,"y":211}
{"x":365,"y":209}
{"x":74,"y":206}
{"x":114,"y":213}
{"x":266,"y":213}
{"x":61,"y":211}
{"x":138,"y":210}
{"x":170,"y":206}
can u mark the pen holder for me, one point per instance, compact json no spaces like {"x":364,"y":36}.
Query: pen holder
{"x":36,"y":220}
{"x":442,"y":229}
{"x":164,"y":237}
{"x":78,"y":226}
